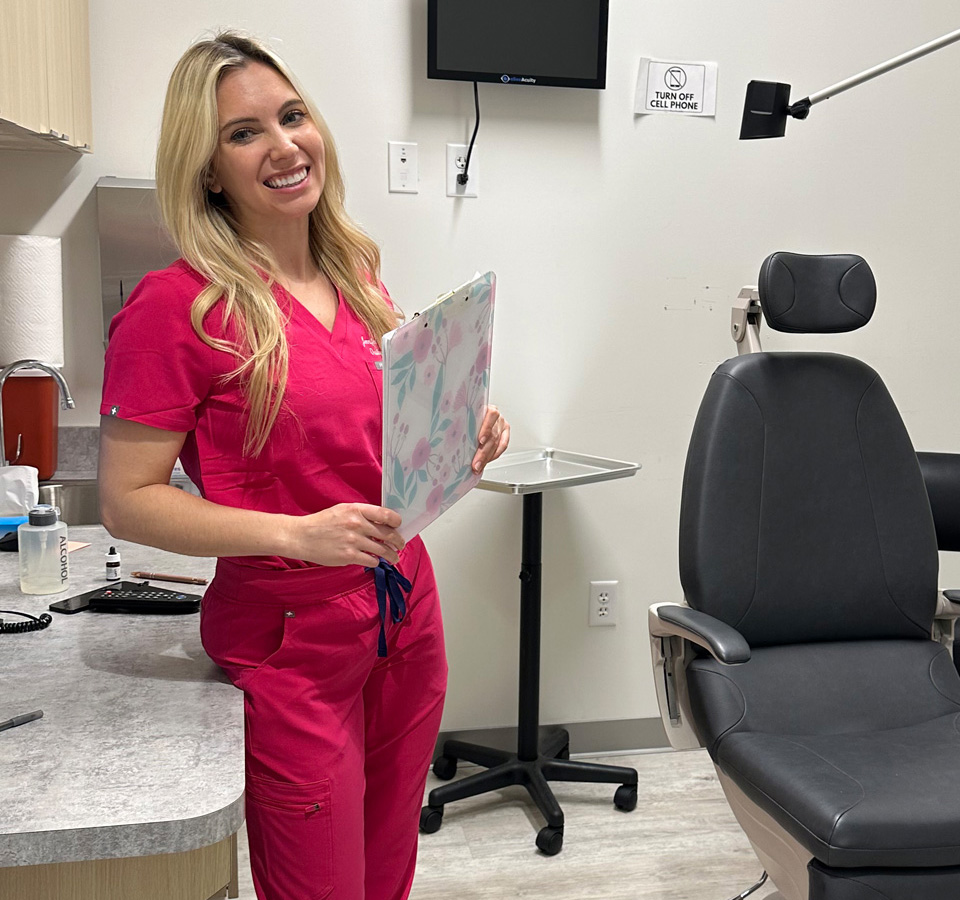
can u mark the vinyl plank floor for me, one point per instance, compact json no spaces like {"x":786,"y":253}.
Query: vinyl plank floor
{"x":680,"y":843}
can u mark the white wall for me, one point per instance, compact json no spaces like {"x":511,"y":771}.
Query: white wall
{"x":619,"y":243}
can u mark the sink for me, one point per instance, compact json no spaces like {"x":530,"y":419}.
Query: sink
{"x":78,"y":502}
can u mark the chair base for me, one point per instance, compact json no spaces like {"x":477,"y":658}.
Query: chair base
{"x":752,"y":889}
{"x":781,"y":855}
{"x":505,"y":768}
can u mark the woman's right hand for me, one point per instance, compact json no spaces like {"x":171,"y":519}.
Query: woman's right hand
{"x":348,"y":534}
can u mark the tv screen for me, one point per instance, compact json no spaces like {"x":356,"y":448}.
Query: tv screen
{"x":547,"y":42}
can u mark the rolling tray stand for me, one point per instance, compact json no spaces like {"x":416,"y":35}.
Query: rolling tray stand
{"x":537,"y":760}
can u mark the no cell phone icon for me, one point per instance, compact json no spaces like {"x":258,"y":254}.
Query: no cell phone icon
{"x":675,"y":78}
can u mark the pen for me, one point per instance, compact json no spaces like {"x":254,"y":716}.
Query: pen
{"x":19,"y":720}
{"x":155,"y":576}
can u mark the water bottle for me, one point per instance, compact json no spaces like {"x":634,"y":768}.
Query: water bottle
{"x":44,"y":568}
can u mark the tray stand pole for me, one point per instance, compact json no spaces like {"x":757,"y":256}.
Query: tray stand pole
{"x":528,"y":713}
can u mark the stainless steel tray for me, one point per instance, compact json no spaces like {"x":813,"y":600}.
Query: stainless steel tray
{"x":533,"y":471}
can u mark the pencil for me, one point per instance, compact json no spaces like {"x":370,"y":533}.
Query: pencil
{"x":156,"y":576}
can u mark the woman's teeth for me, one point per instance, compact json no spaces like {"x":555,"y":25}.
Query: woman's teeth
{"x":287,"y":180}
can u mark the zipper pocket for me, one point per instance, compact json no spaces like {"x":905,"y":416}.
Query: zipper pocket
{"x":307,"y":799}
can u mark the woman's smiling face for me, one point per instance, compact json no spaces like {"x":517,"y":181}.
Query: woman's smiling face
{"x":269,"y":162}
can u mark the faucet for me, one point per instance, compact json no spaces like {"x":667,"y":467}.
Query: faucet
{"x":66,"y":401}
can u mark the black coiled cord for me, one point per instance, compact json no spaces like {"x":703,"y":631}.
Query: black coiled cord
{"x":35,"y":624}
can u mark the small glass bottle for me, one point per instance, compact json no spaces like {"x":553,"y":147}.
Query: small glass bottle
{"x":42,"y":542}
{"x":113,"y":565}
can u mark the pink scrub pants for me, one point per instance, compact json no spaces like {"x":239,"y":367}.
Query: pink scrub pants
{"x":338,"y":741}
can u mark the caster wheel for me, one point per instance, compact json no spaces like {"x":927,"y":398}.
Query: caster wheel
{"x":564,"y":752}
{"x":445,"y":767}
{"x":431,"y":818}
{"x":626,"y":797}
{"x":550,"y":840}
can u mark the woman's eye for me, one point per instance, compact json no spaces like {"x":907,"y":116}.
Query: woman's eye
{"x":293,"y":116}
{"x":241,"y":135}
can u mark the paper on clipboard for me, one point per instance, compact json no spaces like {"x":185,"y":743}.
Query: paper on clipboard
{"x":436,"y":385}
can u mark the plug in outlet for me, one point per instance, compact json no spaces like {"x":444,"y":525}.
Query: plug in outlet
{"x":603,"y":606}
{"x":456,"y":162}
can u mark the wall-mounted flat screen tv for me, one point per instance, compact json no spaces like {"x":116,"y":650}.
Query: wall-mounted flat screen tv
{"x":562,"y":43}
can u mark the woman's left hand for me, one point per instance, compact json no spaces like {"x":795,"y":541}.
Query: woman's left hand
{"x":492,"y":440}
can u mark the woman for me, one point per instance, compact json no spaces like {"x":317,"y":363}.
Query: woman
{"x":251,"y":360}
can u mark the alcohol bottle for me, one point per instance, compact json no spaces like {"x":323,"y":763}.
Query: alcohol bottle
{"x":44,"y":567}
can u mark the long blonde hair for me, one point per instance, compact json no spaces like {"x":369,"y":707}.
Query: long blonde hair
{"x":209,"y":238}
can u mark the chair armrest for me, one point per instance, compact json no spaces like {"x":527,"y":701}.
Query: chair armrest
{"x":722,"y":641}
{"x":941,"y":477}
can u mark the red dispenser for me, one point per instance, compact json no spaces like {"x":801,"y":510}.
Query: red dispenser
{"x":31,"y":408}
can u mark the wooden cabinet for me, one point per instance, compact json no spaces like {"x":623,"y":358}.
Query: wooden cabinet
{"x":45,"y":74}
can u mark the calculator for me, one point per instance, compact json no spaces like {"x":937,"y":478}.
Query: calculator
{"x":130,"y":597}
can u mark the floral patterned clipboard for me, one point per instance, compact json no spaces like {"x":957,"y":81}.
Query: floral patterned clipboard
{"x":436,"y":384}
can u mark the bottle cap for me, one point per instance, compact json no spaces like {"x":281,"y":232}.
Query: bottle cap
{"x":43,"y":515}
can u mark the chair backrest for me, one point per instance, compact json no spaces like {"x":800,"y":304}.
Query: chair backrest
{"x":803,"y":513}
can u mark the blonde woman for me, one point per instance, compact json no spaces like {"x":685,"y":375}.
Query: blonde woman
{"x":254,"y":359}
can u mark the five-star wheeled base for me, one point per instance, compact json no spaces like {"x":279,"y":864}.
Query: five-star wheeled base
{"x":504,"y":768}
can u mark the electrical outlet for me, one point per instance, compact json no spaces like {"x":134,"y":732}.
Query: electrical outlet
{"x":603,"y":606}
{"x":456,"y":161}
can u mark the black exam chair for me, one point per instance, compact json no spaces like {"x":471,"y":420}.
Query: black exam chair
{"x":803,"y":658}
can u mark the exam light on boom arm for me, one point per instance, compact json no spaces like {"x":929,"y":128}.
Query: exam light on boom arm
{"x":765,"y":110}
{"x":767,"y":103}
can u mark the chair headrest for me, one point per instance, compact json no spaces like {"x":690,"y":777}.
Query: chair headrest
{"x":816,"y":294}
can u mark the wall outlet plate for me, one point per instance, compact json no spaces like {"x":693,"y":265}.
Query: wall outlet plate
{"x":603,"y":603}
{"x":403,"y":168}
{"x":456,"y":160}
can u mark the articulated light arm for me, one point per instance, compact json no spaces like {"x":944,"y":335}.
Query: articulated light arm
{"x":767,"y":105}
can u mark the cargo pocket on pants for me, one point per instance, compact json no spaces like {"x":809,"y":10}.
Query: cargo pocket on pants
{"x":290,"y":830}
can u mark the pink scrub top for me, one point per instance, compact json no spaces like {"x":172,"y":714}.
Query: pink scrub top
{"x":325,"y":447}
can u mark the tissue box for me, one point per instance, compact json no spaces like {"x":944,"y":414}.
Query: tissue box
{"x":19,"y":490}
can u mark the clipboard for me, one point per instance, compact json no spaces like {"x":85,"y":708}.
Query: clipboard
{"x":436,"y":386}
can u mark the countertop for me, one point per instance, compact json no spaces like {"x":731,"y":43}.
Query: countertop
{"x":140,"y":748}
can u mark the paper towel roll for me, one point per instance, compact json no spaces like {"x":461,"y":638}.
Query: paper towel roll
{"x":31,"y":299}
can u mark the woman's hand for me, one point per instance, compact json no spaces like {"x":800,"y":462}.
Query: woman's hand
{"x":492,"y":440}
{"x":348,"y":534}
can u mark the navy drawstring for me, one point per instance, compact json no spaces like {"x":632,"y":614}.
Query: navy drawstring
{"x":389,"y":581}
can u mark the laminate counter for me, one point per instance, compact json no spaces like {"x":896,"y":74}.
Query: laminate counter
{"x":140,"y":749}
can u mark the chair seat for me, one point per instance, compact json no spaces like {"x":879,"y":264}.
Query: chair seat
{"x":879,"y":798}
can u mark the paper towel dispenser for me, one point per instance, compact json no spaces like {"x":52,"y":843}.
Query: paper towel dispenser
{"x":133,"y":240}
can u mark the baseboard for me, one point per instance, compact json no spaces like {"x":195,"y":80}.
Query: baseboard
{"x":614,"y":736}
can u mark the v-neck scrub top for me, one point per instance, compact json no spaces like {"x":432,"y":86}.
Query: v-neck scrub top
{"x":325,"y":447}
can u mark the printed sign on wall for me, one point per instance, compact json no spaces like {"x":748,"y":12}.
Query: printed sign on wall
{"x":681,"y":88}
